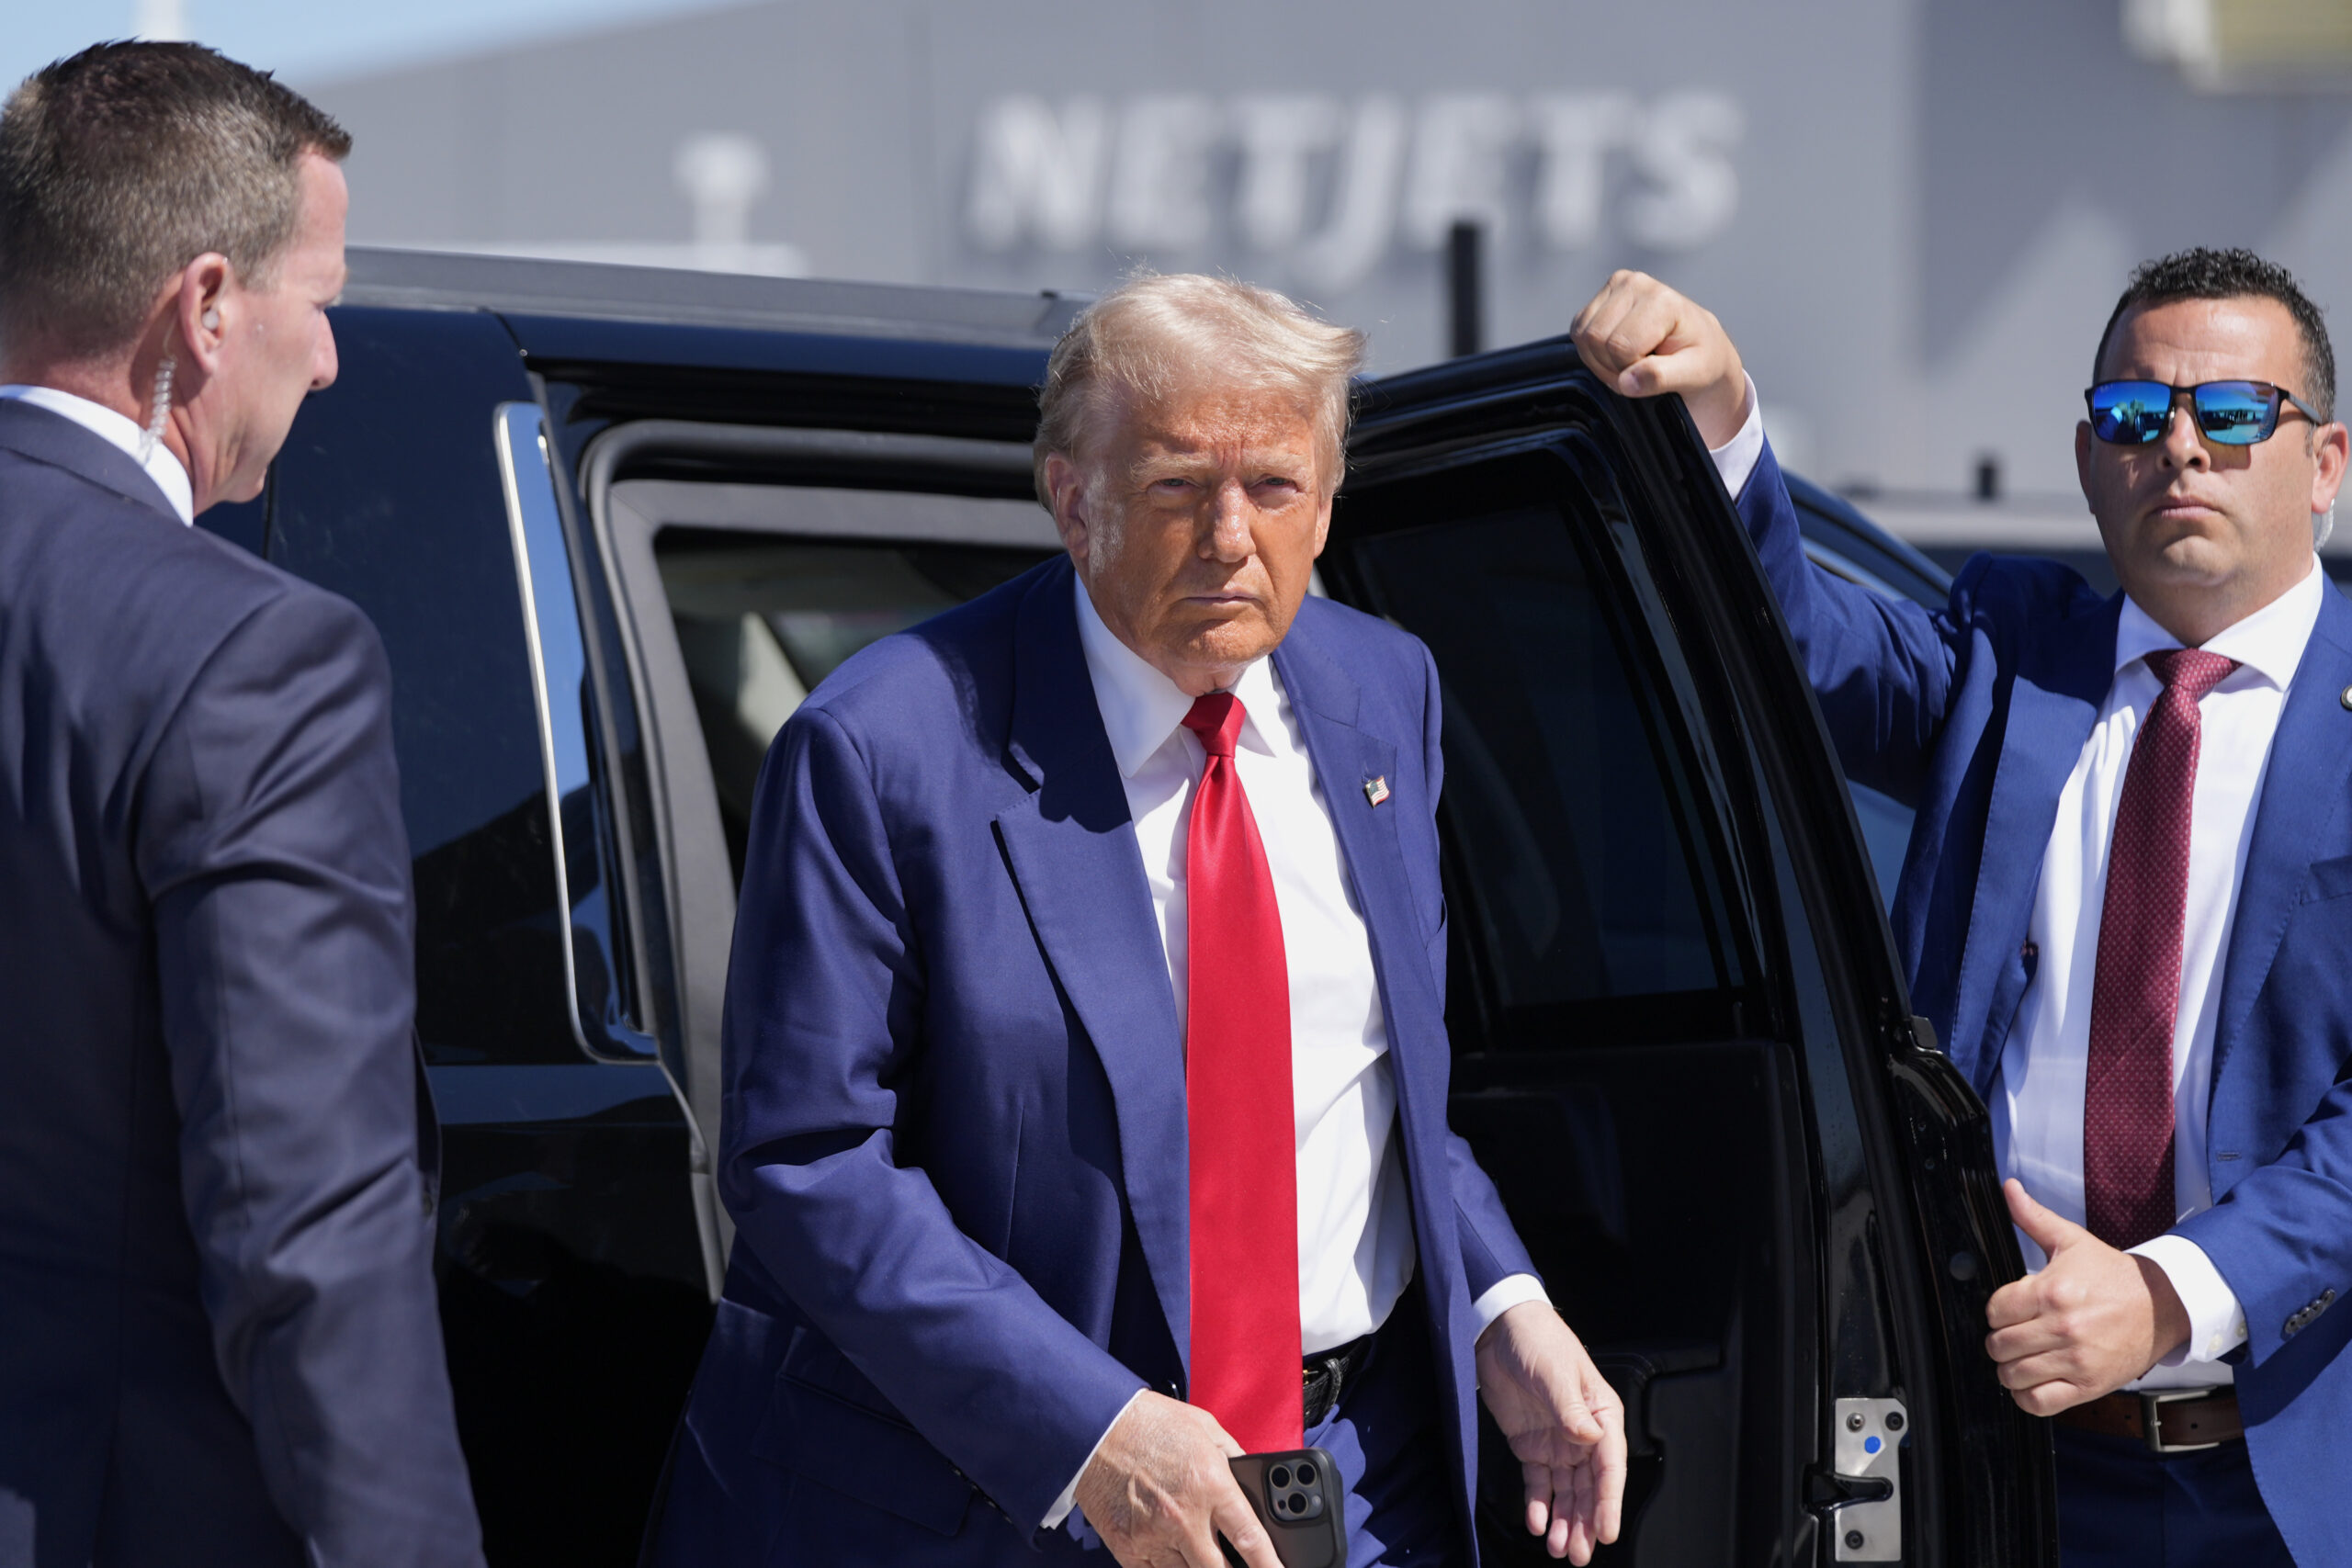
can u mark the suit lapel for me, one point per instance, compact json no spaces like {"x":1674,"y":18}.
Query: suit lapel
{"x":1328,"y":702}
{"x":48,"y":437}
{"x":2054,"y":700}
{"x":1071,"y":847}
{"x":2311,"y":752}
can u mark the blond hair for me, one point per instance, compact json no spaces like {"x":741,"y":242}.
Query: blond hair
{"x":1153,"y":334}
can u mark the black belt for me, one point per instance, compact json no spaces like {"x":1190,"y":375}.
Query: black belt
{"x":1327,"y":1373}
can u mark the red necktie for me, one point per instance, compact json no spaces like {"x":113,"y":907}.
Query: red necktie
{"x":1243,"y":1145}
{"x":2127,"y":1100}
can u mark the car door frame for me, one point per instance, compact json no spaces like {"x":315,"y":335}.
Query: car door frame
{"x":1943,"y":1230}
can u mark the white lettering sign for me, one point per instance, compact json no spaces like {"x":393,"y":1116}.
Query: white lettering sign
{"x":1327,"y":188}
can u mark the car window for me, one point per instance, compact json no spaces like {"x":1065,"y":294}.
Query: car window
{"x":1569,"y":786}
{"x":763,"y":620}
{"x":413,"y":530}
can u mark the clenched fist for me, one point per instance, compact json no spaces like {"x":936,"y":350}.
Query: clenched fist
{"x":1647,"y":341}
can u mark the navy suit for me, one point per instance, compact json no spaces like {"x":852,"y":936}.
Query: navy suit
{"x":1976,"y":716}
{"x":218,"y":1339}
{"x":953,"y":1140}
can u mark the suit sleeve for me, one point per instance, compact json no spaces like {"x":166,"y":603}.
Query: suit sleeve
{"x":1491,"y":1250}
{"x":271,"y":844}
{"x":1882,"y":666}
{"x":2284,"y":1234}
{"x":823,"y":1028}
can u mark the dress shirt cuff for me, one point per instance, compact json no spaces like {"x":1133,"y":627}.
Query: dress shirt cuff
{"x":1504,"y":1294}
{"x":1735,"y":459}
{"x":2216,"y":1321}
{"x":1068,"y":1499}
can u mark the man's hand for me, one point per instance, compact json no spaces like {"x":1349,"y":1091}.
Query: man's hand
{"x":2090,"y":1322}
{"x":1649,"y":340}
{"x":1565,"y":1423}
{"x":1159,"y":1492}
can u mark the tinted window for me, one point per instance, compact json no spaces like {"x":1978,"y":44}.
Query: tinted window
{"x":387,"y":492}
{"x":763,"y":620}
{"x":1581,"y":848}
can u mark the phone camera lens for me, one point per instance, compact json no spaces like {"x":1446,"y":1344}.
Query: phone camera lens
{"x":1282,"y":1502}
{"x":1306,"y":1476}
{"x":1279,"y":1475}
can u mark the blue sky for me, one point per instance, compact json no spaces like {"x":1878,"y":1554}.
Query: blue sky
{"x":311,"y":39}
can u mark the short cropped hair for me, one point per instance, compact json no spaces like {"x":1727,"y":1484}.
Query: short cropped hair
{"x":120,"y":165}
{"x":1153,"y":334}
{"x":2238,"y":274}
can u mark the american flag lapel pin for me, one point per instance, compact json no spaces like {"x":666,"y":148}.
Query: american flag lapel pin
{"x":1376,"y":790}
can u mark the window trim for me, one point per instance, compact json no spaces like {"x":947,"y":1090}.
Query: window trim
{"x":552,"y":633}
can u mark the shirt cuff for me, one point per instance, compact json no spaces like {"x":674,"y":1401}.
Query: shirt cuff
{"x":1504,"y":1294}
{"x":2216,"y":1321}
{"x":1735,"y":459}
{"x":1068,"y":1499}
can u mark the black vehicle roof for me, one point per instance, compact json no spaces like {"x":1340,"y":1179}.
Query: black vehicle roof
{"x":515,"y":285}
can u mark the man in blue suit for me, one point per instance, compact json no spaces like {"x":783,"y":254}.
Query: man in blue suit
{"x":1086,"y":1061}
{"x":218,"y":1337}
{"x":2123,"y":907}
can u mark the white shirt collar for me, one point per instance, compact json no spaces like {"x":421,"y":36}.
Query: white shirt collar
{"x":160,"y":465}
{"x":2270,"y":642}
{"x":1142,"y":707}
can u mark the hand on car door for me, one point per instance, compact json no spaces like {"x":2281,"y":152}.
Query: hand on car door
{"x":1649,"y":341}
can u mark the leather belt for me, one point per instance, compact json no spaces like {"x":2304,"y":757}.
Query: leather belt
{"x":2169,"y":1420}
{"x":1327,"y":1373}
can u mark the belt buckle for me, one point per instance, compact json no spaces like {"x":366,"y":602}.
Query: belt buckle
{"x":2152,"y":1403}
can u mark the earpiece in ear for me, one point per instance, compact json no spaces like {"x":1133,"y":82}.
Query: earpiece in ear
{"x":212,"y":320}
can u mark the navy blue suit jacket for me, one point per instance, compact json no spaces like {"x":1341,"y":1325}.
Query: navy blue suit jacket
{"x":1976,"y":716}
{"x":953,"y":1140}
{"x":218,"y":1337}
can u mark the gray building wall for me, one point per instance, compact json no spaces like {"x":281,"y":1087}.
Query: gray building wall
{"x":1913,"y":215}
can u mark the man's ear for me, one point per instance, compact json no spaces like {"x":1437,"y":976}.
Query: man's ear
{"x":2331,"y":446}
{"x":202,"y":306}
{"x":2083,"y":439}
{"x":1066,"y":490}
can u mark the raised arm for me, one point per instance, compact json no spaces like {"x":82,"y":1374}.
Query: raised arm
{"x":272,"y":845}
{"x":1882,"y":666}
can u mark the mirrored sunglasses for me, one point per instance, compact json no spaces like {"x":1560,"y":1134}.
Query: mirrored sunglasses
{"x":2229,"y":413}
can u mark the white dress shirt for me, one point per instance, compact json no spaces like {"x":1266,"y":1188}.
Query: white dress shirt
{"x":1355,"y":1227}
{"x":2037,"y":1099}
{"x":100,"y":420}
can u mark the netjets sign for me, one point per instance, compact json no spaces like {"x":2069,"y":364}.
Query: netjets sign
{"x":1326,"y":189}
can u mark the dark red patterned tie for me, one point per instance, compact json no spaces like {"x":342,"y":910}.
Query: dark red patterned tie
{"x":1243,"y":1143}
{"x":2127,"y":1100}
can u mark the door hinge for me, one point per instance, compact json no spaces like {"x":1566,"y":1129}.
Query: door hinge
{"x":1866,"y":1523}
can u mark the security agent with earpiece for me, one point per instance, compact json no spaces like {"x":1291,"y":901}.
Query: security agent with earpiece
{"x":218,"y":1333}
{"x":2126,"y":905}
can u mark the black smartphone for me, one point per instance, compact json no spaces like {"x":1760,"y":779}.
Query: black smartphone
{"x":1298,"y":1500}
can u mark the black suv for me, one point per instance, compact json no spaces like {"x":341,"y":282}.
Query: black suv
{"x":613,"y":524}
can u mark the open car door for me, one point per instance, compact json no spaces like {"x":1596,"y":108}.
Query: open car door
{"x":1684,"y":1049}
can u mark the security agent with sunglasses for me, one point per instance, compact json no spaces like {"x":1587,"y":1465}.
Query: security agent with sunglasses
{"x":2125,"y":903}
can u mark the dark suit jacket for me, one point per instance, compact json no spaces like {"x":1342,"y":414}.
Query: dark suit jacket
{"x":218,"y":1336}
{"x":953,"y":1140}
{"x":1976,"y":716}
